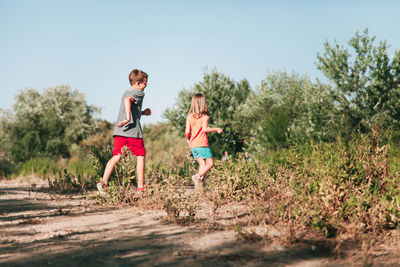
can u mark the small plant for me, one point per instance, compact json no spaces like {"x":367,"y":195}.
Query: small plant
{"x":68,"y":182}
{"x":250,"y":236}
{"x":64,"y":183}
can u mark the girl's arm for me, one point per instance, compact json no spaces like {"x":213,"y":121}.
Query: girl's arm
{"x":187,"y":129}
{"x":127,"y":105}
{"x":207,"y":129}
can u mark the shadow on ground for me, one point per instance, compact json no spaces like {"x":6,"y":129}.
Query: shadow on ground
{"x":142,"y":242}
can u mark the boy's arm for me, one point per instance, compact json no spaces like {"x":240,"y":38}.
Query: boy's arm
{"x":187,"y":129}
{"x":207,"y":129}
{"x":147,"y":112}
{"x":127,"y":105}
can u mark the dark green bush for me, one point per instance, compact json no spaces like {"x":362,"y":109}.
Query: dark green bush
{"x":6,"y":168}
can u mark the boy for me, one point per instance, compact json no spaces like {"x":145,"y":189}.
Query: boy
{"x":128,"y":131}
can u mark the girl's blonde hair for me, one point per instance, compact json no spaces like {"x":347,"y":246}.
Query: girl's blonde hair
{"x":199,"y":106}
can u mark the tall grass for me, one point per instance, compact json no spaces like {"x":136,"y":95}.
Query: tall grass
{"x":334,"y":188}
{"x":342,"y":188}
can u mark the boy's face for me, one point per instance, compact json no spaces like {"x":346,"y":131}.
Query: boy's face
{"x":143,"y":84}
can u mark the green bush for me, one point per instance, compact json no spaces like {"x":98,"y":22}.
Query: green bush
{"x":338,"y":187}
{"x":67,"y":182}
{"x":100,"y":157}
{"x":341,"y":187}
{"x":6,"y":168}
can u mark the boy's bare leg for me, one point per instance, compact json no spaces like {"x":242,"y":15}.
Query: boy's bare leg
{"x":209,"y":163}
{"x":140,"y":165}
{"x":110,"y":167}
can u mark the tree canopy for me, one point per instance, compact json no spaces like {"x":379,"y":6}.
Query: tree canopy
{"x":366,"y":80}
{"x":46,"y":123}
{"x":286,"y":108}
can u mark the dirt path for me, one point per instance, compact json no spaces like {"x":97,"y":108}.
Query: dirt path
{"x":38,"y":228}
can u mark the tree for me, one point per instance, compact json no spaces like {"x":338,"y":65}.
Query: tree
{"x":367,"y":82}
{"x":46,"y":124}
{"x":223,"y":95}
{"x":286,"y":108}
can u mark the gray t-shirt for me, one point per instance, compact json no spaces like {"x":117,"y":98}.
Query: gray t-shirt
{"x":133,"y":128}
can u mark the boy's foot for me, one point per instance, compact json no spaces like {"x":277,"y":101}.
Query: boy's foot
{"x":140,"y":190}
{"x":139,"y":193}
{"x":100,"y":188}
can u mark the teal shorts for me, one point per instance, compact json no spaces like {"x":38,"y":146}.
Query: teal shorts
{"x":202,"y":152}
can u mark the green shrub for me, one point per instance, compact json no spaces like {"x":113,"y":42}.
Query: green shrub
{"x":67,"y":182}
{"x":100,"y":157}
{"x":342,"y":187}
{"x":6,"y":168}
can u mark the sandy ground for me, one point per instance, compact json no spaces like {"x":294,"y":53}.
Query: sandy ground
{"x":39,"y":228}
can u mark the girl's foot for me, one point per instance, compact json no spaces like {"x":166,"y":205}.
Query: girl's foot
{"x":204,"y":182}
{"x":197,"y":182}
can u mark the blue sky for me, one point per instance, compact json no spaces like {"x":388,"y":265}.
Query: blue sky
{"x":92,"y":45}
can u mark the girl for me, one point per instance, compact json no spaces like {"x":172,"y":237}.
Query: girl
{"x":196,"y":133}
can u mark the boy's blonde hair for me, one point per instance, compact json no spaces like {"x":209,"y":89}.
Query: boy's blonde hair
{"x":137,"y":76}
{"x":199,"y":106}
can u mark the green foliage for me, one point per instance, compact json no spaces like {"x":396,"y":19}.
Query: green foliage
{"x":336,"y":188}
{"x":62,"y":176}
{"x":165,"y":144}
{"x":46,"y":124}
{"x":121,"y":187}
{"x":284,"y":109}
{"x":223,"y":98}
{"x":100,"y":139}
{"x":81,"y":167}
{"x":39,"y":166}
{"x":235,"y":178}
{"x":367,"y":83}
{"x":6,"y":168}
{"x":100,"y":157}
{"x":68,"y":182}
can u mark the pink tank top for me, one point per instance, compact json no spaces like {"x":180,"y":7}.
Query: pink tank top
{"x":198,"y":138}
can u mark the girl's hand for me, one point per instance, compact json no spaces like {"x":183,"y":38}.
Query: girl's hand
{"x":219,"y":130}
{"x":122,"y":123}
{"x":147,"y":112}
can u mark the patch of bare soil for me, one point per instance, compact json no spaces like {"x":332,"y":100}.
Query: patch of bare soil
{"x":40,"y":228}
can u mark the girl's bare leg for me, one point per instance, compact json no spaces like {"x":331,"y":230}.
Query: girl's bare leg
{"x":202,"y":164}
{"x":209,"y":163}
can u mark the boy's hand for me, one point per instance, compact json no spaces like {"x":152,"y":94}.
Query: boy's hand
{"x":147,"y":112}
{"x":122,"y":123}
{"x":219,"y":130}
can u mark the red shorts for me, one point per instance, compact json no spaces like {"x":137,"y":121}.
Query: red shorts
{"x":135,"y":145}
